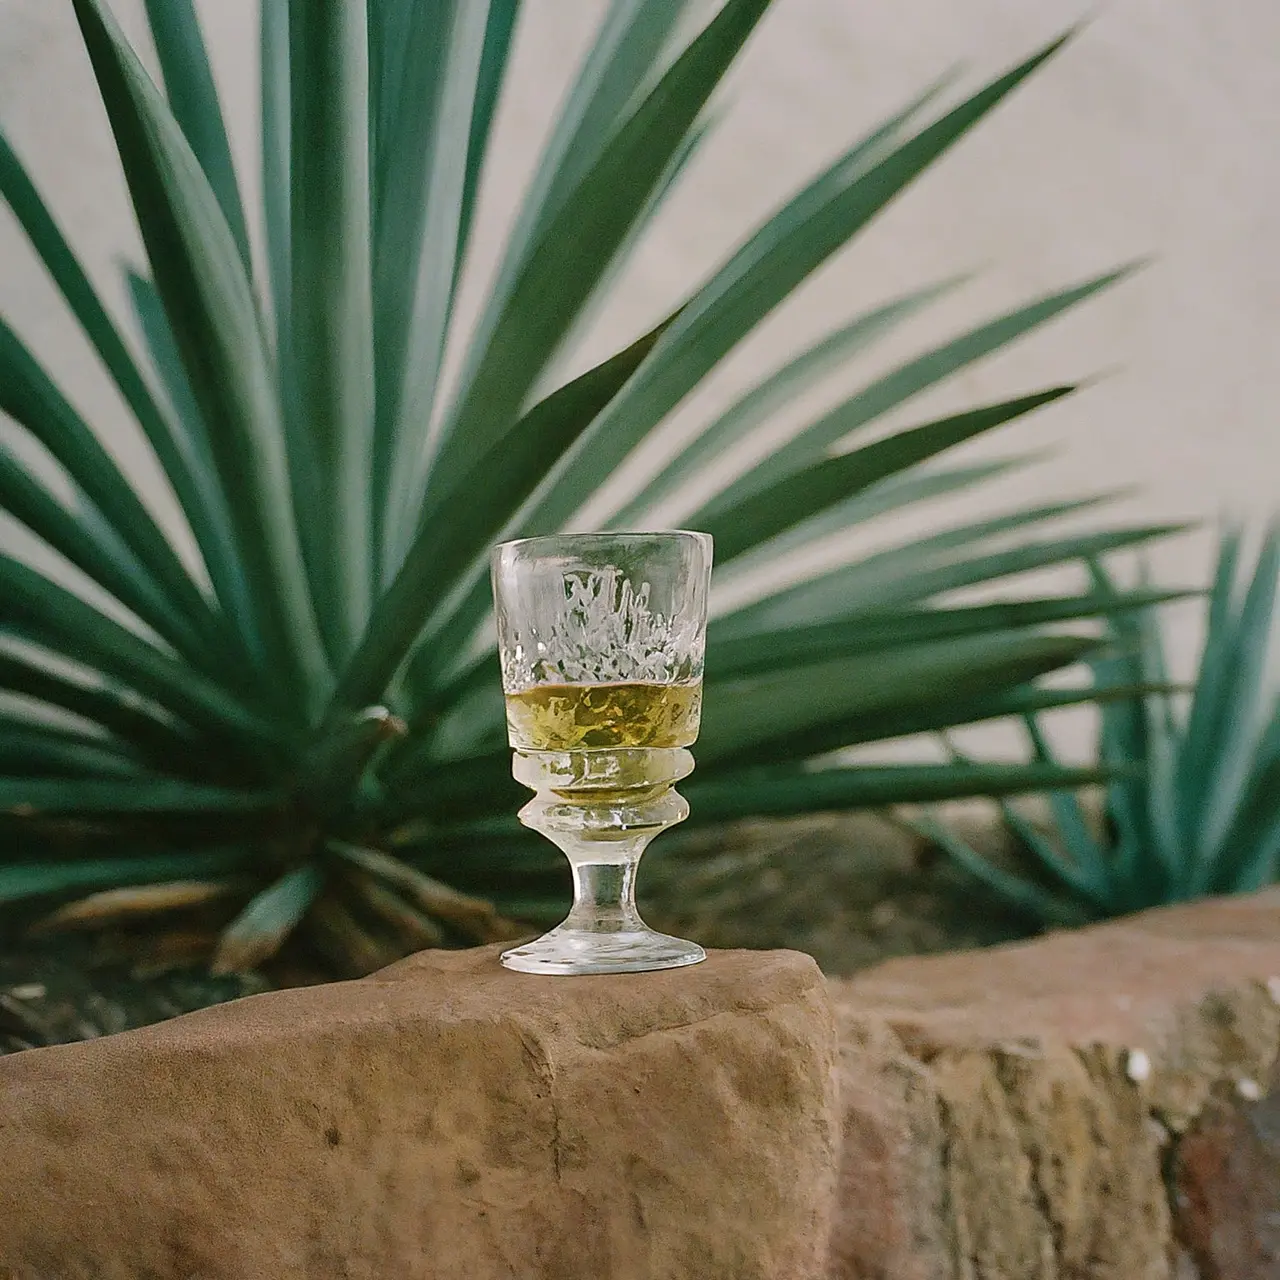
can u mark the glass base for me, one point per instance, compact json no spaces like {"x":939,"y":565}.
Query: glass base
{"x":569,"y":951}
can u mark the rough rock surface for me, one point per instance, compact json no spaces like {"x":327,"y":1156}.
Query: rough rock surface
{"x":444,"y":1118}
{"x":1225,"y":1176}
{"x":1067,"y":1109}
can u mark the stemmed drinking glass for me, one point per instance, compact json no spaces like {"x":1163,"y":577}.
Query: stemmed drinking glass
{"x":601,"y":638}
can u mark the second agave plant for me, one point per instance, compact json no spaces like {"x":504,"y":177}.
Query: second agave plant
{"x":305,"y":729}
{"x":1192,"y":807}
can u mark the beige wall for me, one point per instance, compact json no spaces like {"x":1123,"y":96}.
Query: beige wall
{"x":1154,"y":133}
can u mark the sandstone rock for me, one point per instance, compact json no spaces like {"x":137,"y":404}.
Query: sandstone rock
{"x":444,"y":1118}
{"x":1009,"y":1114}
{"x":1226,"y":1183}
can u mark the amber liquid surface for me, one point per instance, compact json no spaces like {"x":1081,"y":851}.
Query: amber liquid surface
{"x":593,"y":717}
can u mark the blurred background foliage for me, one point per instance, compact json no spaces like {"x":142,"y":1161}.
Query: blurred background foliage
{"x":1193,"y":805}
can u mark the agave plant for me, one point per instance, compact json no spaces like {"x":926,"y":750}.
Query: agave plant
{"x":1193,"y":806}
{"x":301,"y":719}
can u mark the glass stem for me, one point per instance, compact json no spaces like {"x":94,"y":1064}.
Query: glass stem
{"x":604,"y":893}
{"x":602,"y":811}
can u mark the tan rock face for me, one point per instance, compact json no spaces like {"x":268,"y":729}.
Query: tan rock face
{"x":1099,"y":1105}
{"x":1226,"y":1183}
{"x":444,"y":1118}
{"x":1011,"y":1114}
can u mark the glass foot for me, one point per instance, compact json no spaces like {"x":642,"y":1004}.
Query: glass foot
{"x":568,"y":951}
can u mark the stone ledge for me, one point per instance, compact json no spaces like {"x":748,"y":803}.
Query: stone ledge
{"x":444,"y":1118}
{"x":1098,"y":1105}
{"x":1016,"y":1112}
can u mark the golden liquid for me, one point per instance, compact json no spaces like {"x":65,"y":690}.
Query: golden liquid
{"x":592,"y":717}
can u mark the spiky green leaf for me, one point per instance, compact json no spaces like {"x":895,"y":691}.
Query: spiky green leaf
{"x":36,"y":879}
{"x":257,"y":933}
{"x":193,"y":97}
{"x":218,"y":330}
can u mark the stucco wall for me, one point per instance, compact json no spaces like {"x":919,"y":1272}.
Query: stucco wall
{"x":1154,"y":133}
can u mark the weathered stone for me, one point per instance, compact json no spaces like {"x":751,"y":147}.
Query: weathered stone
{"x":444,"y":1118}
{"x":1009,"y":1114}
{"x":891,"y":1193}
{"x":1226,"y":1181}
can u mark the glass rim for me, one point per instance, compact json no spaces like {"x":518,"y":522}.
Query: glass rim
{"x":606,"y":539}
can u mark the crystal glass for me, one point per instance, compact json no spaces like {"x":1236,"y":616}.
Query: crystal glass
{"x":601,"y":637}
